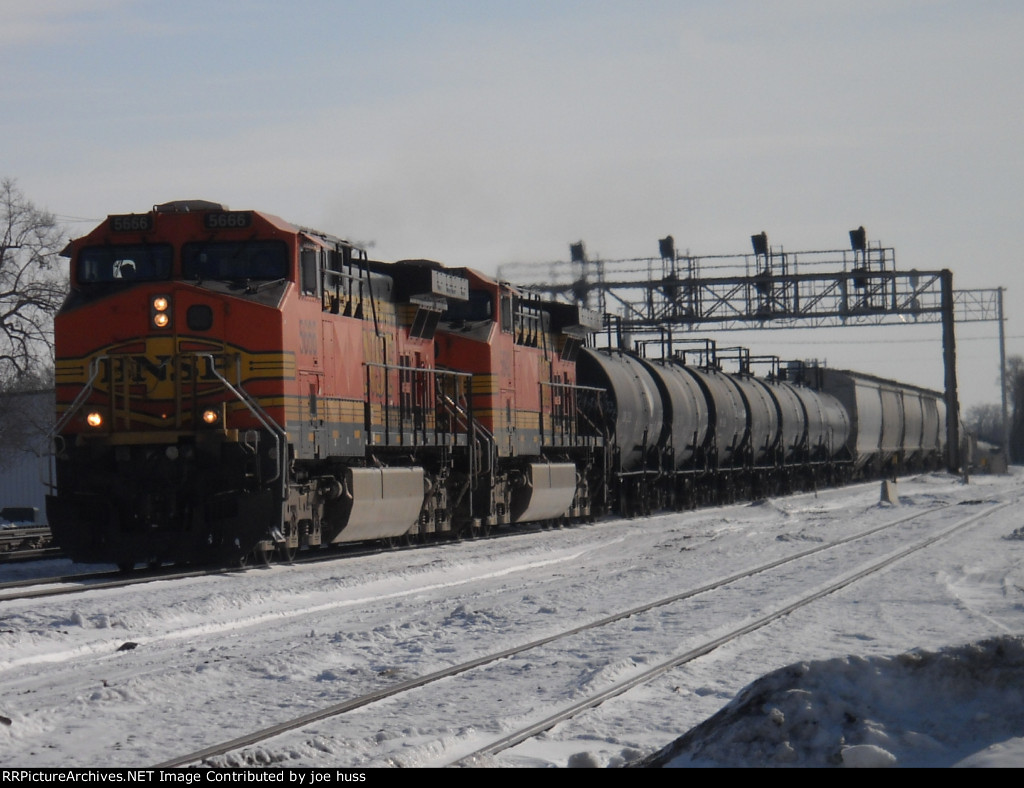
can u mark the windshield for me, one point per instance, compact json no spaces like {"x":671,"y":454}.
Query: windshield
{"x":137,"y":262}
{"x":235,"y":260}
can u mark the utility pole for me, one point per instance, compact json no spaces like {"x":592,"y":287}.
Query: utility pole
{"x":949,"y":362}
{"x":1002,"y":379}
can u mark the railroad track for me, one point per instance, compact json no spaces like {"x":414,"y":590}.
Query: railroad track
{"x":38,"y":588}
{"x":93,"y":581}
{"x":526,"y":732}
{"x":213,"y":755}
{"x":60,"y":585}
{"x":35,"y":554}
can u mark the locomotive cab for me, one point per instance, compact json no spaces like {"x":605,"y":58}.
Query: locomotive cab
{"x":165,"y":444}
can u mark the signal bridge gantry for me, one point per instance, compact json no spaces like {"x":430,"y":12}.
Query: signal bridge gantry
{"x":770,"y":289}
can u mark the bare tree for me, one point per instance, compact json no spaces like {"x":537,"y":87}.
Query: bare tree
{"x":1015,"y":388}
{"x":32,"y":283}
{"x":986,"y":422}
{"x":26,"y":416}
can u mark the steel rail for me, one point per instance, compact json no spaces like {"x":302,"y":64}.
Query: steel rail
{"x":421,"y":681}
{"x":528,"y":732}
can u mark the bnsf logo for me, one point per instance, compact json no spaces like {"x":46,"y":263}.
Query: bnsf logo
{"x":160,"y":375}
{"x":160,"y":369}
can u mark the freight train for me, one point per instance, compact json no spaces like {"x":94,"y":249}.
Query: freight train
{"x":231,"y":386}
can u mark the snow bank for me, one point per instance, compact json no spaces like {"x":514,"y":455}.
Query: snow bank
{"x":958,"y":706}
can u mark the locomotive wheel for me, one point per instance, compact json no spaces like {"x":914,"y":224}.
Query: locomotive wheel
{"x":470,"y":532}
{"x":395,"y":542}
{"x":258,"y":556}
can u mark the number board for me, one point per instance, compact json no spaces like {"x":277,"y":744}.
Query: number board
{"x":227,"y":220}
{"x":131,"y":223}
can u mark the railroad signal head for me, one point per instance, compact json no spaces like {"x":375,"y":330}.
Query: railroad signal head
{"x":667,"y":247}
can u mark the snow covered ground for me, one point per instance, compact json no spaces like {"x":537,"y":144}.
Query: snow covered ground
{"x":919,"y":665}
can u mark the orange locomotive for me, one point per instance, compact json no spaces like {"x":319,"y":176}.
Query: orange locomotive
{"x":538,"y":455}
{"x":229,"y":384}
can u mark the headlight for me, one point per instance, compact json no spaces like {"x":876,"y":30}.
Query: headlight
{"x":160,"y":312}
{"x":211,"y":417}
{"x":94,"y":419}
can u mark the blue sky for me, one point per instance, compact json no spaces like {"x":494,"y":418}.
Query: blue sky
{"x":479,"y":133}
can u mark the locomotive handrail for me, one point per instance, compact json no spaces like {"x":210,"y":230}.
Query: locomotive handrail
{"x":568,"y":420}
{"x":254,"y":407}
{"x":369,"y":292}
{"x":62,"y":422}
{"x":597,"y":389}
{"x":429,"y":370}
{"x":439,"y":396}
{"x":480,"y":442}
{"x":334,"y":284}
{"x":78,"y":401}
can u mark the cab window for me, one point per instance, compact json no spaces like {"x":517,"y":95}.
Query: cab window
{"x":134,"y":262}
{"x":479,"y":306}
{"x":310,"y":271}
{"x":235,"y":260}
{"x":506,"y":314}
